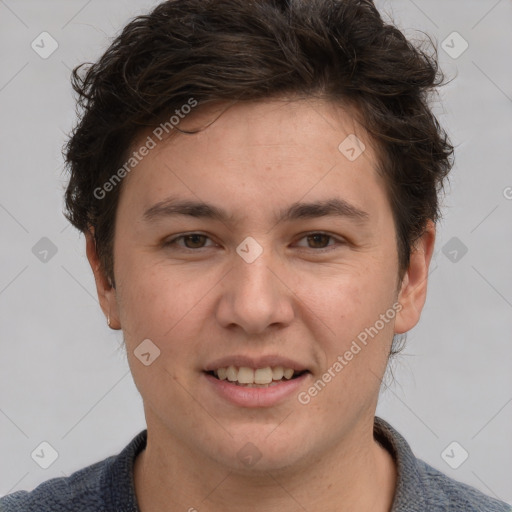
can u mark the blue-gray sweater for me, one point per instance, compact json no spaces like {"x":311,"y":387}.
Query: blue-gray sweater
{"x":107,"y":486}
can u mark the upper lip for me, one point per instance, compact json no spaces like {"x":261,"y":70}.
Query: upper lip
{"x":255,"y":362}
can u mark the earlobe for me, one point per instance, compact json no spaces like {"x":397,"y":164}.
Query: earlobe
{"x":106,"y":292}
{"x":413,"y":291}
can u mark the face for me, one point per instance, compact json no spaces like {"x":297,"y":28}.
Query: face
{"x":258,"y":244}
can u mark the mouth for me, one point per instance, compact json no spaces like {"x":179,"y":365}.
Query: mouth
{"x":265,"y":377}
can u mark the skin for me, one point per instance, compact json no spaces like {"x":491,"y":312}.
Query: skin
{"x":295,"y":300}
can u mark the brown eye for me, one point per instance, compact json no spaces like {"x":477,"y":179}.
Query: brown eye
{"x":318,"y":240}
{"x":195,"y":241}
{"x":190,"y":241}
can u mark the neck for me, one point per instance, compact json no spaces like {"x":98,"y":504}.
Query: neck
{"x":356,"y":475}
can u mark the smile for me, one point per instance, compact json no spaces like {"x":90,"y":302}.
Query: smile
{"x":258,"y":377}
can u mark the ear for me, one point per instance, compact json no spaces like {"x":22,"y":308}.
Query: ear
{"x":413,"y":291}
{"x":106,"y":292}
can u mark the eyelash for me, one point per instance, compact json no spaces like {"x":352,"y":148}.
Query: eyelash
{"x":306,"y":235}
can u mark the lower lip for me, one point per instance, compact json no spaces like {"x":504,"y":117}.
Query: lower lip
{"x":245,"y":396}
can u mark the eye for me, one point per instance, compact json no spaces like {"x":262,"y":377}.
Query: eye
{"x":319,"y":240}
{"x":190,"y":241}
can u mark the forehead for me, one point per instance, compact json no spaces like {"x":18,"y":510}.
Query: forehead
{"x":270,"y":153}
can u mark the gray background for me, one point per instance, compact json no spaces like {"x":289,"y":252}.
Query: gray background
{"x":64,"y":379}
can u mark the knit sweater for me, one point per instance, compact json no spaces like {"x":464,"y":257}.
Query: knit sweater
{"x":107,"y":486}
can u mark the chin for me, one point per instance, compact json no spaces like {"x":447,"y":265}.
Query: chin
{"x":259,"y":452}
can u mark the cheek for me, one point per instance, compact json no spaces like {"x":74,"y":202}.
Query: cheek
{"x":353,"y":339}
{"x":168,"y":312}
{"x":347,"y":300}
{"x":159,"y":303}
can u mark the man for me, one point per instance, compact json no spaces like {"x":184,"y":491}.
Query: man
{"x":258,"y":187}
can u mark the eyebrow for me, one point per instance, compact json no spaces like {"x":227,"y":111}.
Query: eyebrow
{"x":300,"y":210}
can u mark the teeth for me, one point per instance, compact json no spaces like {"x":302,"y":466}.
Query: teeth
{"x":245,"y":375}
{"x":260,"y":376}
{"x":277,"y":373}
{"x":231,"y":373}
{"x":263,"y":375}
{"x":288,"y":373}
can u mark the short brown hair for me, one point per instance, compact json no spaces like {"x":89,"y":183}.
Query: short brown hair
{"x":211,"y":50}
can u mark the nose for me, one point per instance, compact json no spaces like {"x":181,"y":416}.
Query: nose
{"x":255,"y":296}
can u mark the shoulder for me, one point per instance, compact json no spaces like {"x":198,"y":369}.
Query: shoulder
{"x":420,"y":487}
{"x":80,"y":491}
{"x":105,"y":486}
{"x":448,"y":494}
